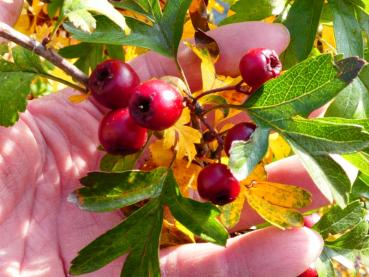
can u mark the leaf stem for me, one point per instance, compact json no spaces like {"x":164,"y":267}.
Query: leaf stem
{"x":65,"y":82}
{"x":49,"y":54}
{"x":183,"y":75}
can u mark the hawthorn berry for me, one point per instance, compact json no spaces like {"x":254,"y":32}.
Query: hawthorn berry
{"x":156,"y":105}
{"x":259,"y":65}
{"x":112,"y":83}
{"x":240,"y":131}
{"x":119,"y":134}
{"x":310,"y":272}
{"x":217,"y":184}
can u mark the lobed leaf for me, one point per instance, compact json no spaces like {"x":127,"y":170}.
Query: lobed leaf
{"x":199,"y":218}
{"x":338,"y":220}
{"x":104,"y":191}
{"x":128,"y":236}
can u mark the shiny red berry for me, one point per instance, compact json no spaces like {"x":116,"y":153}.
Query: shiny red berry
{"x":156,"y":105}
{"x":310,"y":272}
{"x":240,"y":131}
{"x":259,"y":65}
{"x":217,"y":184}
{"x":119,"y":134}
{"x":112,"y":83}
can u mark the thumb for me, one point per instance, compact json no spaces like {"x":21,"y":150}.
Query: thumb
{"x":10,"y":10}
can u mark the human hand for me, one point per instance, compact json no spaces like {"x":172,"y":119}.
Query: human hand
{"x":55,"y":143}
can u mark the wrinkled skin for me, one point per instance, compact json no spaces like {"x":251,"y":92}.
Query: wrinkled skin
{"x":54,"y":144}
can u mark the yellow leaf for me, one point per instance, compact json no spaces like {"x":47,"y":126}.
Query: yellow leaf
{"x":185,"y":231}
{"x":277,"y":203}
{"x":328,"y":40}
{"x":207,"y":66}
{"x":78,"y":98}
{"x":279,"y":147}
{"x":185,"y":136}
{"x":171,"y":235}
{"x":258,"y":174}
{"x":186,"y":176}
{"x":161,"y":156}
{"x":231,"y":212}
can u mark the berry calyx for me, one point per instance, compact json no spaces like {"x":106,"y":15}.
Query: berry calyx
{"x":240,"y":131}
{"x":217,"y":184}
{"x":112,"y":83}
{"x":310,"y":272}
{"x":259,"y":65}
{"x":119,"y":134}
{"x":156,"y":105}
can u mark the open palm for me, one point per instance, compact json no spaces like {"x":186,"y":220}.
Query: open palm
{"x":55,"y":143}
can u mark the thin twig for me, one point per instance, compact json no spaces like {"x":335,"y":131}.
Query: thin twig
{"x":11,"y":34}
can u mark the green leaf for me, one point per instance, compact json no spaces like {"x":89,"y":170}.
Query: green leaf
{"x":352,"y":102}
{"x":117,"y":163}
{"x":111,"y":191}
{"x":245,"y":155}
{"x":143,"y":260}
{"x":360,"y":188}
{"x":199,"y":218}
{"x":326,"y":136}
{"x":347,"y":30}
{"x":324,"y":265}
{"x":53,"y":7}
{"x":163,"y":36}
{"x":89,"y":55}
{"x":360,"y":160}
{"x":15,"y":82}
{"x":249,"y":10}
{"x":338,"y":220}
{"x":78,"y":12}
{"x":302,"y":22}
{"x":140,"y":7}
{"x":302,"y":89}
{"x":356,"y":238}
{"x":329,"y":177}
{"x":131,"y":235}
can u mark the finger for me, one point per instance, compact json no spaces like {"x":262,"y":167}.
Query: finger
{"x":10,"y":10}
{"x":289,"y":171}
{"x":288,"y":253}
{"x":233,"y":40}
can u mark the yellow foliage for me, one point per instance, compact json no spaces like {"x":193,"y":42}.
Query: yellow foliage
{"x":329,"y":43}
{"x":160,"y":156}
{"x":231,"y":212}
{"x":207,"y":66}
{"x":278,"y":146}
{"x":182,"y":137}
{"x":277,"y":203}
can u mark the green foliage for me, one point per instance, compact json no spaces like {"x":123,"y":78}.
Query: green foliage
{"x":302,"y":22}
{"x":15,"y":81}
{"x":249,"y":10}
{"x":117,"y":163}
{"x":163,"y":35}
{"x":245,"y":155}
{"x":138,"y":235}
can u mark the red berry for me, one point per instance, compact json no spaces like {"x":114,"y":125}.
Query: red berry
{"x":217,"y":184}
{"x":259,"y":65}
{"x":310,"y":272}
{"x":156,"y":105}
{"x":241,"y":131}
{"x":112,"y":83}
{"x":119,"y":134}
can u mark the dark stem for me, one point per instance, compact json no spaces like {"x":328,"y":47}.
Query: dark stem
{"x":11,"y":34}
{"x":237,"y":107}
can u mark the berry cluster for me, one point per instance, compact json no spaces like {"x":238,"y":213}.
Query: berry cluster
{"x":156,"y":105}
{"x":136,"y":107}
